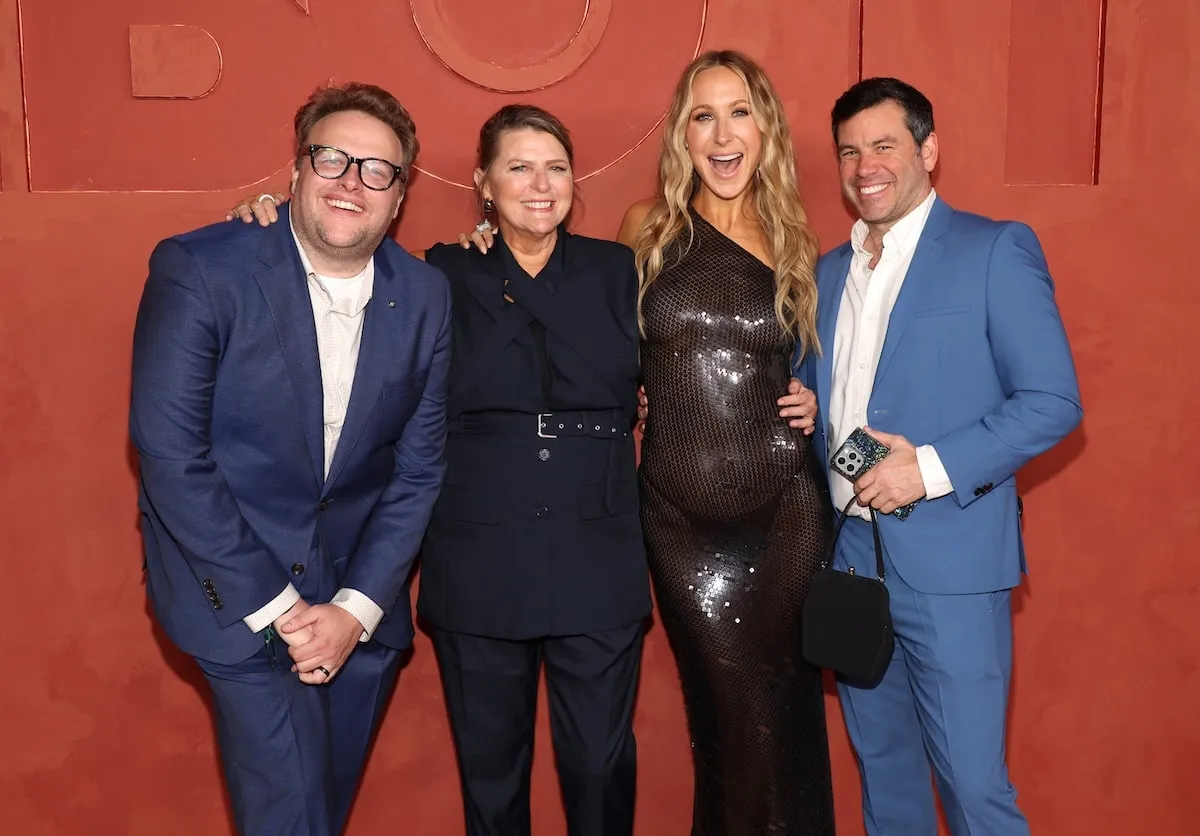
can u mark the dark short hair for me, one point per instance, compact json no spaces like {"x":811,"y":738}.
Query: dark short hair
{"x":918,"y":111}
{"x":517,"y":117}
{"x":365,"y":98}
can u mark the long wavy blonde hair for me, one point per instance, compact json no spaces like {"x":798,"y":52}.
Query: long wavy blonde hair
{"x":774,"y":193}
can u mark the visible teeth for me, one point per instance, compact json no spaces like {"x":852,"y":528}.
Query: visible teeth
{"x":873,"y":189}
{"x":538,"y":204}
{"x":728,"y":158}
{"x":342,"y":204}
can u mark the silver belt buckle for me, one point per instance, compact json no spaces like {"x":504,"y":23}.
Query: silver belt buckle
{"x":542,"y":418}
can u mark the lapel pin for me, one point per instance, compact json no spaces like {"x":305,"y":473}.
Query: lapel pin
{"x":391,"y":303}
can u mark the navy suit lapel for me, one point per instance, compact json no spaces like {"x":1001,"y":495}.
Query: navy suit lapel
{"x":380,"y":322}
{"x":285,"y":289}
{"x":485,"y":282}
{"x":833,"y":270}
{"x":569,"y":311}
{"x":916,"y":281}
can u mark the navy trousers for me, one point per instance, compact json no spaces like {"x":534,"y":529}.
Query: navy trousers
{"x":491,"y":696}
{"x":292,"y":753}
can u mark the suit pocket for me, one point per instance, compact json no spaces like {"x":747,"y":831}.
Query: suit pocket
{"x":947,"y":310}
{"x":398,"y":401}
{"x":404,"y":386}
{"x":340,"y":566}
{"x":466,"y":505}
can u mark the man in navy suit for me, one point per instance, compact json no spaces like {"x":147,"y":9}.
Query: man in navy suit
{"x":941,"y":335}
{"x":288,"y":411}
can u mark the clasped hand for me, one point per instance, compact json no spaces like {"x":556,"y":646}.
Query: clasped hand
{"x":320,"y":638}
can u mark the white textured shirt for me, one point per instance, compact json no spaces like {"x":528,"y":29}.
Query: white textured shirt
{"x":338,"y":306}
{"x":862,"y":324}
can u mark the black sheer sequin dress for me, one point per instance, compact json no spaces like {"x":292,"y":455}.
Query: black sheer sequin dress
{"x":736,"y":511}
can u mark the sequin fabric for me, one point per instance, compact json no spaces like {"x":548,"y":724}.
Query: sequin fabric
{"x":736,"y":512}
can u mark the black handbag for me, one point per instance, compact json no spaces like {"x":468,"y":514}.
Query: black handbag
{"x":846,"y":623}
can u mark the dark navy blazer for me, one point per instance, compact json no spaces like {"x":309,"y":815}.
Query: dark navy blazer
{"x":227,"y":420}
{"x":535,"y":536}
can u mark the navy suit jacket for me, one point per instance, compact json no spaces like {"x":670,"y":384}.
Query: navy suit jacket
{"x":226,"y":417}
{"x":975,"y":362}
{"x":492,"y":565}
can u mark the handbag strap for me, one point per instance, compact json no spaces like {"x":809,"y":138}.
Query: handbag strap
{"x":837,"y":531}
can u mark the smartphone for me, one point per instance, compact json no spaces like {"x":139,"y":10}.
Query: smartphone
{"x":858,"y":454}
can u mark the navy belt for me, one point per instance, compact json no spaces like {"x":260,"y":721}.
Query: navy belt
{"x":606,"y":424}
{"x":610,"y":424}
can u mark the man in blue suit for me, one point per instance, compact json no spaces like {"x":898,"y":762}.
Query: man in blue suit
{"x":288,"y":411}
{"x":942,"y":337}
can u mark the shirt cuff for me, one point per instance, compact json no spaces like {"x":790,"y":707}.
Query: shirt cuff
{"x":261,"y":619}
{"x":361,"y":607}
{"x":933,"y":474}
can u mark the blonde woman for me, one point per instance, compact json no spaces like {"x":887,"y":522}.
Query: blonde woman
{"x":735,"y":504}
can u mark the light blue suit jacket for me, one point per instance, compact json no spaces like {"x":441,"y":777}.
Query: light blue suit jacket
{"x":227,"y":420}
{"x":976,"y":363}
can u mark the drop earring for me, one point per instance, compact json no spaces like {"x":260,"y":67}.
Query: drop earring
{"x":489,"y":206}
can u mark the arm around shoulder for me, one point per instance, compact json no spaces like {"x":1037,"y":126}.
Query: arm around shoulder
{"x":1032,"y":358}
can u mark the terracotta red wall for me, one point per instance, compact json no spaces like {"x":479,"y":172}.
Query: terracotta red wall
{"x":127,"y":121}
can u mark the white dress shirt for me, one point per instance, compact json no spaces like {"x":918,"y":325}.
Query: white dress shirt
{"x":862,"y":324}
{"x":338,"y":306}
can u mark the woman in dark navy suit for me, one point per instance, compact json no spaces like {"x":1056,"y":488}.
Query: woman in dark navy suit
{"x":535,"y":555}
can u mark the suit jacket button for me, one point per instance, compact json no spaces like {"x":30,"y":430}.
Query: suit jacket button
{"x":979,"y":491}
{"x":208,"y":584}
{"x":542,"y":511}
{"x":323,"y":504}
{"x":543,"y":454}
{"x":217,"y":605}
{"x":297,"y":568}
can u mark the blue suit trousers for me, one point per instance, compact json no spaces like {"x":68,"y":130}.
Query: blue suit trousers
{"x":942,"y":701}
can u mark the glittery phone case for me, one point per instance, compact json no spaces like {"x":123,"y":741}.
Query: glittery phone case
{"x":858,"y":454}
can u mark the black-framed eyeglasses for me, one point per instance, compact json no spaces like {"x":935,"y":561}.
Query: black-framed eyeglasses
{"x":377,"y":175}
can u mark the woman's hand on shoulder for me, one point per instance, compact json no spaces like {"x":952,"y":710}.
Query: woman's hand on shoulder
{"x":481,"y":236}
{"x":631,"y":224}
{"x":258,"y":207}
